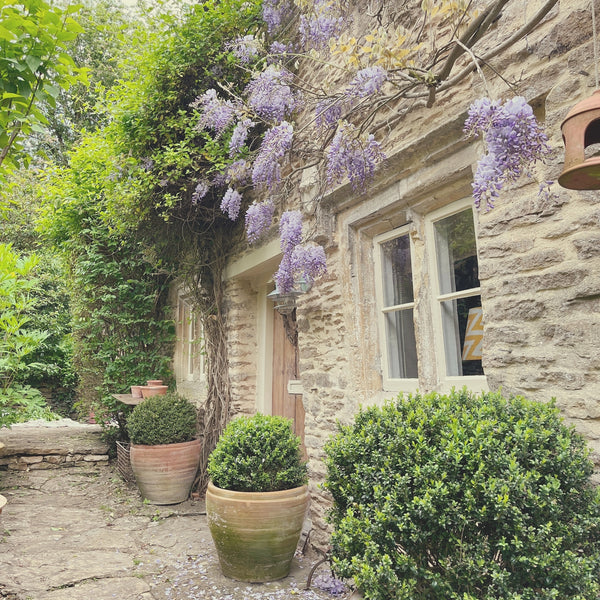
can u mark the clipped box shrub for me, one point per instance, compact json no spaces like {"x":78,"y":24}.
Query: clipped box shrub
{"x":464,"y":496}
{"x":166,"y":419}
{"x":258,"y":454}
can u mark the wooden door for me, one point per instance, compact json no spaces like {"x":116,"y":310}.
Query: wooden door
{"x":285,"y":367}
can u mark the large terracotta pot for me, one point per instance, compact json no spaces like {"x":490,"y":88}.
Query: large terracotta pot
{"x":256,"y":533}
{"x":165,"y":472}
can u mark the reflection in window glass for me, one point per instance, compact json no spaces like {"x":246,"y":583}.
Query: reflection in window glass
{"x":460,"y":305}
{"x":398,"y":300}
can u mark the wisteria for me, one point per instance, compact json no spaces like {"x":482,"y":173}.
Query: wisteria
{"x":216,"y":113}
{"x":275,"y":12}
{"x":328,"y":113}
{"x":290,"y":230}
{"x":298,"y":261}
{"x":267,"y":165}
{"x":259,"y":218}
{"x":239,"y":136}
{"x":271,"y":96}
{"x":322,"y":24}
{"x":245,"y":49}
{"x":231,"y":202}
{"x":200,"y":191}
{"x":514,"y":141}
{"x":353,"y":156}
{"x":367,"y":82}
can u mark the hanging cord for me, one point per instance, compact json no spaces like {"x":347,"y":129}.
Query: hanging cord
{"x":595,"y":43}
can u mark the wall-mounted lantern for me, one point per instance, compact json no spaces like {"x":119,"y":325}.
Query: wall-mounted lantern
{"x":580,"y":130}
{"x":285,"y":303}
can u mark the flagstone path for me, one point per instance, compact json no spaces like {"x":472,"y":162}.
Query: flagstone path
{"x":82,"y":533}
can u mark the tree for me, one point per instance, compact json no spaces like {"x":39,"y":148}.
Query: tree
{"x":33,"y":68}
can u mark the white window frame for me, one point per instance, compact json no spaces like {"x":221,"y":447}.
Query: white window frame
{"x":191,"y":365}
{"x":391,"y":383}
{"x":447,"y":382}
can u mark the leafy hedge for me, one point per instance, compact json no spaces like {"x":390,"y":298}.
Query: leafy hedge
{"x":258,"y":454}
{"x":464,"y":496}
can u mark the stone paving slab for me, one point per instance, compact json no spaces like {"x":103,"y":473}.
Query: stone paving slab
{"x":84,"y":534}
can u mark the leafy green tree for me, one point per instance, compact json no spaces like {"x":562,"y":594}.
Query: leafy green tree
{"x":33,"y":68}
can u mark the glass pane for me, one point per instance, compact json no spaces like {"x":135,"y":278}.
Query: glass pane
{"x":401,"y":344}
{"x":456,"y":253}
{"x":397,"y":272}
{"x":463,"y":336}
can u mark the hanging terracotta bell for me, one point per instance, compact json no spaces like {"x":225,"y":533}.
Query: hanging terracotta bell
{"x":580,"y":130}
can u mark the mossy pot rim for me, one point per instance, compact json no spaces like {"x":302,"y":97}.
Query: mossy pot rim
{"x":278,"y":494}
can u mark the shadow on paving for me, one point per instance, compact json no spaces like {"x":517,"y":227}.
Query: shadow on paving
{"x":83,"y":533}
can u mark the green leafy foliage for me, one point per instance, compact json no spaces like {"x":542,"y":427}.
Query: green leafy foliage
{"x":258,"y":454}
{"x":33,"y":68}
{"x":21,"y":403}
{"x":17,"y":303}
{"x":167,"y":419}
{"x":464,"y":496}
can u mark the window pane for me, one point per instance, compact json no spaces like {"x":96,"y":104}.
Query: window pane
{"x":456,"y":253}
{"x":401,"y":344}
{"x":397,"y":272}
{"x":463,"y":335}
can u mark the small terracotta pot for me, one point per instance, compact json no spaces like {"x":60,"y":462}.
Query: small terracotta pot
{"x":136,"y":391}
{"x":154,"y":390}
{"x":154,"y":382}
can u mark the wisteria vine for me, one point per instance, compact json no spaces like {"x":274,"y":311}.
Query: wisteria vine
{"x":514,"y":142}
{"x":258,"y":126}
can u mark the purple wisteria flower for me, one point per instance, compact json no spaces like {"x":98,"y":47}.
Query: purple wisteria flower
{"x":231,"y":203}
{"x":514,"y":142}
{"x":353,"y":156}
{"x":271,"y":95}
{"x":245,"y":49}
{"x":367,"y":82}
{"x":309,"y":261}
{"x":330,"y":584}
{"x":275,"y":145}
{"x":276,"y":12}
{"x":200,"y":191}
{"x":328,"y":113}
{"x":239,"y":136}
{"x":216,"y":113}
{"x":323,"y":23}
{"x":290,"y":230}
{"x":259,"y":217}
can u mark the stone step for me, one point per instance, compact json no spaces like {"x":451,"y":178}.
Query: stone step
{"x":51,"y":444}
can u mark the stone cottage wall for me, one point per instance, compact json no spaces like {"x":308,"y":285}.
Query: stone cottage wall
{"x":538,"y":257}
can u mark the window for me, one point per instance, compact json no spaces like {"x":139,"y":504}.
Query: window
{"x":189,"y":363}
{"x":394,"y":274}
{"x":448,"y":329}
{"x":458,"y":294}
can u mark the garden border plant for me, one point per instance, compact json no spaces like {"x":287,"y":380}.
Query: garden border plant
{"x":464,"y":496}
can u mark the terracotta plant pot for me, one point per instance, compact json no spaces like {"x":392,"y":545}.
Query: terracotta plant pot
{"x":154,"y":382}
{"x":154,"y":390}
{"x":256,"y":533}
{"x":136,"y":391}
{"x":164,"y":473}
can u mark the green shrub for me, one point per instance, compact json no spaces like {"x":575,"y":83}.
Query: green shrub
{"x":464,"y":496}
{"x":167,"y":419}
{"x":258,"y":454}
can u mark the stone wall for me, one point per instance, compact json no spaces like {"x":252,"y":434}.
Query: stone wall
{"x":539,"y":258}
